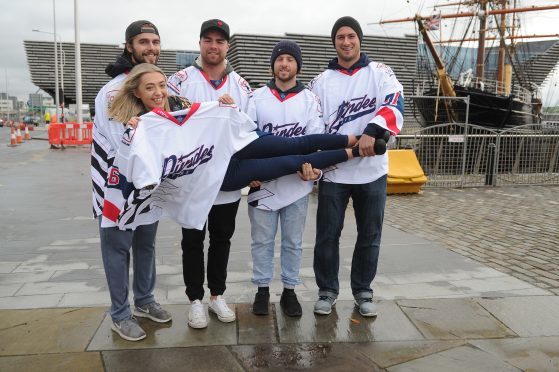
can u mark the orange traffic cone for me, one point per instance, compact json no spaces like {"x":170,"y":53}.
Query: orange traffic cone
{"x":13,"y":141}
{"x":18,"y":136}
{"x":26,"y":135}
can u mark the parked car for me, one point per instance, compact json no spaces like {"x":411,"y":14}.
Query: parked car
{"x":31,"y":120}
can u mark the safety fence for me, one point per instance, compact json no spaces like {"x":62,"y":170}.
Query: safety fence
{"x":70,"y":134}
{"x":462,"y":155}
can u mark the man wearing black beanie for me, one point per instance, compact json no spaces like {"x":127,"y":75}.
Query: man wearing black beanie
{"x":359,"y":97}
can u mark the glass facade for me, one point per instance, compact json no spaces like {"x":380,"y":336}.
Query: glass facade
{"x":186,"y":59}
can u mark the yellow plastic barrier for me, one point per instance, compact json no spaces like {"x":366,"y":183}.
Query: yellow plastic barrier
{"x":405,"y":175}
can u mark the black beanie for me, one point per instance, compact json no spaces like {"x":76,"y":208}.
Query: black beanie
{"x":349,"y":22}
{"x":287,"y":47}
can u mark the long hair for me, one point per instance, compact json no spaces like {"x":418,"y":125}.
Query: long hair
{"x":126,"y":104}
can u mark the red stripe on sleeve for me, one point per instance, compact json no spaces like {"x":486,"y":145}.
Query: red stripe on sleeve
{"x":390,"y":119}
{"x":110,"y":211}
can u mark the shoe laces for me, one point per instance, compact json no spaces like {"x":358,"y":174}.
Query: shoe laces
{"x":364,"y":300}
{"x":221,"y":304}
{"x":324,"y":298}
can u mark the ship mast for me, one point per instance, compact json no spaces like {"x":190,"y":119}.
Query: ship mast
{"x":502,"y":51}
{"x":480,"y":62}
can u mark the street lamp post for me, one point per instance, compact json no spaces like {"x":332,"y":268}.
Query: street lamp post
{"x":57,"y":66}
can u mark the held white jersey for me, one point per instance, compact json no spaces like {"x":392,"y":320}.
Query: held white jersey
{"x":297,"y":114}
{"x":106,"y":138}
{"x":173,"y":164}
{"x":195,"y":85}
{"x":370,"y":94}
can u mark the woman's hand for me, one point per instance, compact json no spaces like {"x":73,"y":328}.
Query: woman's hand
{"x":255,"y":184}
{"x":226,"y":99}
{"x":134,"y":121}
{"x":308,"y":173}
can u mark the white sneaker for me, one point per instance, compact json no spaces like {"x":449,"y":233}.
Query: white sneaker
{"x":197,"y":315}
{"x":220,"y":308}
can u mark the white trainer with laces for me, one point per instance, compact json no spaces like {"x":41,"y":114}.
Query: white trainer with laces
{"x":220,"y":308}
{"x":197,"y":315}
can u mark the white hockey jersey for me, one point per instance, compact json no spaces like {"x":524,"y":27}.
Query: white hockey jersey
{"x":195,"y":85}
{"x":106,"y":138}
{"x":350,"y":102}
{"x":173,"y":165}
{"x":295,"y":115}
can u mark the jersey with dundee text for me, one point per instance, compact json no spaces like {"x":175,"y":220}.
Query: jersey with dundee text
{"x":173,"y":165}
{"x":296,"y":114}
{"x":350,"y":101}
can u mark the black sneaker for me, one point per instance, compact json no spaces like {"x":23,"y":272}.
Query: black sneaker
{"x":261,"y":302}
{"x":289,"y":303}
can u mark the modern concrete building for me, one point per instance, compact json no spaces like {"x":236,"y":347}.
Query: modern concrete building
{"x":249,"y":55}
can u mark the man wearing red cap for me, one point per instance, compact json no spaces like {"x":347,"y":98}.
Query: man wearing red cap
{"x":142,"y":46}
{"x":358,"y":96}
{"x":211,"y":78}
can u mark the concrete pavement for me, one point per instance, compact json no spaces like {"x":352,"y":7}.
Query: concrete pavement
{"x":442,"y":307}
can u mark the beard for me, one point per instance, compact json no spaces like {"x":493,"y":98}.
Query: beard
{"x":285,"y":77}
{"x":144,"y":57}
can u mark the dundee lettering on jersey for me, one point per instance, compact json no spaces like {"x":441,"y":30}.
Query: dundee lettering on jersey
{"x":351,"y":110}
{"x":174,"y":166}
{"x":285,"y":130}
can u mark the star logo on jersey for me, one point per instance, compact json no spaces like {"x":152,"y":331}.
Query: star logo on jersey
{"x":244,"y":86}
{"x":181,"y":75}
{"x":128,"y":135}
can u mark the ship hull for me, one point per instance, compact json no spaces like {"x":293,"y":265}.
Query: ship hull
{"x":485,"y":109}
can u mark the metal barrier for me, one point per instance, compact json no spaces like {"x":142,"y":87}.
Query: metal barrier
{"x":461,"y":155}
{"x":70,"y":134}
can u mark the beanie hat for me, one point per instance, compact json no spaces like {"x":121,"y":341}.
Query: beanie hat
{"x":139,"y":27}
{"x":287,"y":47}
{"x":349,"y":22}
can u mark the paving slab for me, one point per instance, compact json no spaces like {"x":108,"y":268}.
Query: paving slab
{"x":528,"y":354}
{"x":176,"y":333}
{"x":47,"y":330}
{"x":345,"y":324}
{"x":527,"y":316}
{"x":83,"y":362}
{"x":308,"y":357}
{"x":30,"y":302}
{"x":463,"y":358}
{"x":256,"y":329}
{"x":209,"y":358}
{"x":448,"y":319}
{"x":389,"y":353}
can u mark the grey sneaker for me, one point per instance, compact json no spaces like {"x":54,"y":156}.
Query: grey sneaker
{"x":366,"y":307}
{"x":153,"y":311}
{"x":324,"y":305}
{"x":129,"y":329}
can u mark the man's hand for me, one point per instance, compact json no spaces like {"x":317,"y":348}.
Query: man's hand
{"x":366,"y":145}
{"x":134,"y":121}
{"x":226,"y":99}
{"x":255,"y":184}
{"x":308,"y":173}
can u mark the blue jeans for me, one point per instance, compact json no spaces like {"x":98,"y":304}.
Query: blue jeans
{"x":368,"y":203}
{"x":115,"y":249}
{"x":264,"y":225}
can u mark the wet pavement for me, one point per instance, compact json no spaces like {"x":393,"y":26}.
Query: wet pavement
{"x":450,"y":291}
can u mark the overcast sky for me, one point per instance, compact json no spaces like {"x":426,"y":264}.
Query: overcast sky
{"x":104,"y":21}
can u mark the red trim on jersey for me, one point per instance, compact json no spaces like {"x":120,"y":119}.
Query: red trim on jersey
{"x":389,"y":118}
{"x":210,"y":81}
{"x":277,"y":95}
{"x":346,"y":72}
{"x":110,"y":211}
{"x":195,"y":106}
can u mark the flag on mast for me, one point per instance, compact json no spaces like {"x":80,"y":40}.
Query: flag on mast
{"x":433,"y":23}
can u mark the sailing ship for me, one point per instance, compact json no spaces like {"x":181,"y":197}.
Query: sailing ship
{"x":506,"y":99}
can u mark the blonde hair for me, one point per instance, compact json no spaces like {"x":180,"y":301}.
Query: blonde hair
{"x":126,"y":105}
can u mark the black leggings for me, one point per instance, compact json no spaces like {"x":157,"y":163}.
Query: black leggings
{"x":270,"y":157}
